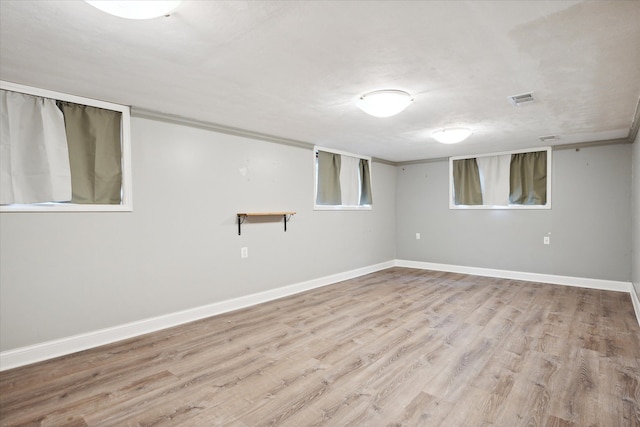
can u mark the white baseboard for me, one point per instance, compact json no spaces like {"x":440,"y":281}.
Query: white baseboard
{"x":582,"y":282}
{"x":60,"y":347}
{"x":636,"y":302}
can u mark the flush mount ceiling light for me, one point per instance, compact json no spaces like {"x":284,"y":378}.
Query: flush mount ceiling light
{"x":135,"y":9}
{"x":384,"y":103}
{"x":451,"y":136}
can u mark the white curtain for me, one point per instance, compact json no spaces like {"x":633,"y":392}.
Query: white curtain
{"x":34,"y":165}
{"x":350,"y":180}
{"x":494,"y":179}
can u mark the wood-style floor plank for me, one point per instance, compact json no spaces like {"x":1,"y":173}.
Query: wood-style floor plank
{"x":400,"y":347}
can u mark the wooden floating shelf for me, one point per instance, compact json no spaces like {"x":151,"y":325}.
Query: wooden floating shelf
{"x":265,"y":213}
{"x":243,"y":215}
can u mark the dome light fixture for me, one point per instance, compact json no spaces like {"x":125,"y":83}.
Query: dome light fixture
{"x":452,"y":135}
{"x":136,"y":9}
{"x":384,"y":103}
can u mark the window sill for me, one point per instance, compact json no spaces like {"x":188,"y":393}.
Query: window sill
{"x":59,"y":207}
{"x":491,"y":207}
{"x":342,"y":208}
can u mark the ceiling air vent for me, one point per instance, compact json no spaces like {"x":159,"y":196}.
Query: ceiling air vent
{"x":546,"y":138}
{"x":523,"y":98}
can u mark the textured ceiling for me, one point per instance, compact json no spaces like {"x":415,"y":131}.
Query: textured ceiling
{"x":294,"y":69}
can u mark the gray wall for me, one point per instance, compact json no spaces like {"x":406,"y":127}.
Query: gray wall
{"x":66,"y":273}
{"x":635,"y":265}
{"x":589,"y":221}
{"x":69,"y":273}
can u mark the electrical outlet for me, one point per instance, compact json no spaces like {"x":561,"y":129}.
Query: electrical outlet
{"x":244,"y":252}
{"x":417,"y":236}
{"x":547,"y":240}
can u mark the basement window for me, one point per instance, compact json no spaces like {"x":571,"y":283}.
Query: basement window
{"x":63,"y":153}
{"x":507,"y":180}
{"x":342,"y":180}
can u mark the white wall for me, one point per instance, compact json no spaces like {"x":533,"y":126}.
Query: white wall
{"x":69,"y":273}
{"x":589,"y":221}
{"x":635,"y":266}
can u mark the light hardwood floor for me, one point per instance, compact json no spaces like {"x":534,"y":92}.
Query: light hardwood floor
{"x":398,"y":347}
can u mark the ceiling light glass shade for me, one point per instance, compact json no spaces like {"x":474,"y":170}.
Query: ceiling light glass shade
{"x":384,"y":103}
{"x":135,"y":9}
{"x":451,"y":136}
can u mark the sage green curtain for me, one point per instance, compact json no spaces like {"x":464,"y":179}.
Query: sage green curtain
{"x":466,"y":182}
{"x":366,"y":197}
{"x":528,"y":180}
{"x":328,"y":191}
{"x":95,"y":153}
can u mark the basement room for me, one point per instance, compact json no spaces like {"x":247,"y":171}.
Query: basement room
{"x":320,"y":213}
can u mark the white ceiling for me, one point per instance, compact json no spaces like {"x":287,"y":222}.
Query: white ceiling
{"x":294,"y":69}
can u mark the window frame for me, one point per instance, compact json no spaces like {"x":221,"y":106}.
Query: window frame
{"x":317,"y":207}
{"x":546,"y":206}
{"x":125,"y":140}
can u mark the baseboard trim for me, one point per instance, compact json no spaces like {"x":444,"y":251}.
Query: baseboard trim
{"x":64,"y":346}
{"x":608,"y":285}
{"x":68,"y":345}
{"x":582,"y":282}
{"x":636,"y":302}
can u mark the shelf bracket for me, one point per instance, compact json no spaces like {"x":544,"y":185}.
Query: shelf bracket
{"x":243,"y":216}
{"x":241,"y":219}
